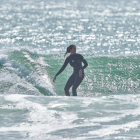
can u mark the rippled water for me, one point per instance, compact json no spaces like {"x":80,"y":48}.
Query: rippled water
{"x":100,"y":27}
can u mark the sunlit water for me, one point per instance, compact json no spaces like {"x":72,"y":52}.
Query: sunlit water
{"x":33,"y":39}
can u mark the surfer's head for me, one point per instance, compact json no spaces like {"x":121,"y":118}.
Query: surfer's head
{"x":71,"y":49}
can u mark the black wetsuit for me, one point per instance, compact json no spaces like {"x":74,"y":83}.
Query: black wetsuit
{"x":75,"y":61}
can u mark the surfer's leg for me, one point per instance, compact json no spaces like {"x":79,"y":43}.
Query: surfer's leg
{"x":69,"y":84}
{"x":77,"y":82}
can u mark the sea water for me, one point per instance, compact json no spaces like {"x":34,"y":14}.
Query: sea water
{"x":34,"y":36}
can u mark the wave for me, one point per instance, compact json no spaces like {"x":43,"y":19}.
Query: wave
{"x":109,"y":117}
{"x":114,"y":74}
{"x":107,"y":75}
{"x":24,"y":72}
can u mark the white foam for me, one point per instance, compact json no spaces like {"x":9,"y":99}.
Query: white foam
{"x":114,"y":129}
{"x":43,"y":120}
{"x":21,"y":75}
{"x":43,"y":74}
{"x":58,"y":114}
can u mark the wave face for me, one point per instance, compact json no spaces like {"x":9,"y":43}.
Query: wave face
{"x":23,"y":72}
{"x":105,"y":75}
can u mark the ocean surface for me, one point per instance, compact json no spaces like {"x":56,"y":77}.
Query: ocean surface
{"x":34,"y":35}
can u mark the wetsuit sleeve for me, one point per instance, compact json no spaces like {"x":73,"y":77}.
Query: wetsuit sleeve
{"x":63,"y":67}
{"x":84,"y":61}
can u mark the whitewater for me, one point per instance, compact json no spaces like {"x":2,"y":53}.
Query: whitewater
{"x":34,"y":36}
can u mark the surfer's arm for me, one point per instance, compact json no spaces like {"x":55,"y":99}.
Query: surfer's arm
{"x":63,"y":67}
{"x":85,"y":63}
{"x":81,"y":58}
{"x":82,"y":67}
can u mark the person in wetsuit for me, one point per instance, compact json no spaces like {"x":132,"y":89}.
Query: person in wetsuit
{"x":75,"y":60}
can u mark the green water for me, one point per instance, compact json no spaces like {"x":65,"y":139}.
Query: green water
{"x":104,"y":75}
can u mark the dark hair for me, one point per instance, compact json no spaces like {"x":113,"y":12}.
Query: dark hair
{"x":68,"y":49}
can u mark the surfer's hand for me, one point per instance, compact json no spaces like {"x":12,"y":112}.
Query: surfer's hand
{"x":80,"y":73}
{"x":54,"y":79}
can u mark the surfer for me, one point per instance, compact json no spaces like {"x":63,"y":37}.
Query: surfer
{"x":75,"y":60}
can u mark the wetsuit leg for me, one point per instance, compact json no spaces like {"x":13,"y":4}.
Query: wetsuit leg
{"x":69,"y":83}
{"x":76,"y":83}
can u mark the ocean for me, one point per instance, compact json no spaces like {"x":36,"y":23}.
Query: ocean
{"x":34,"y":35}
